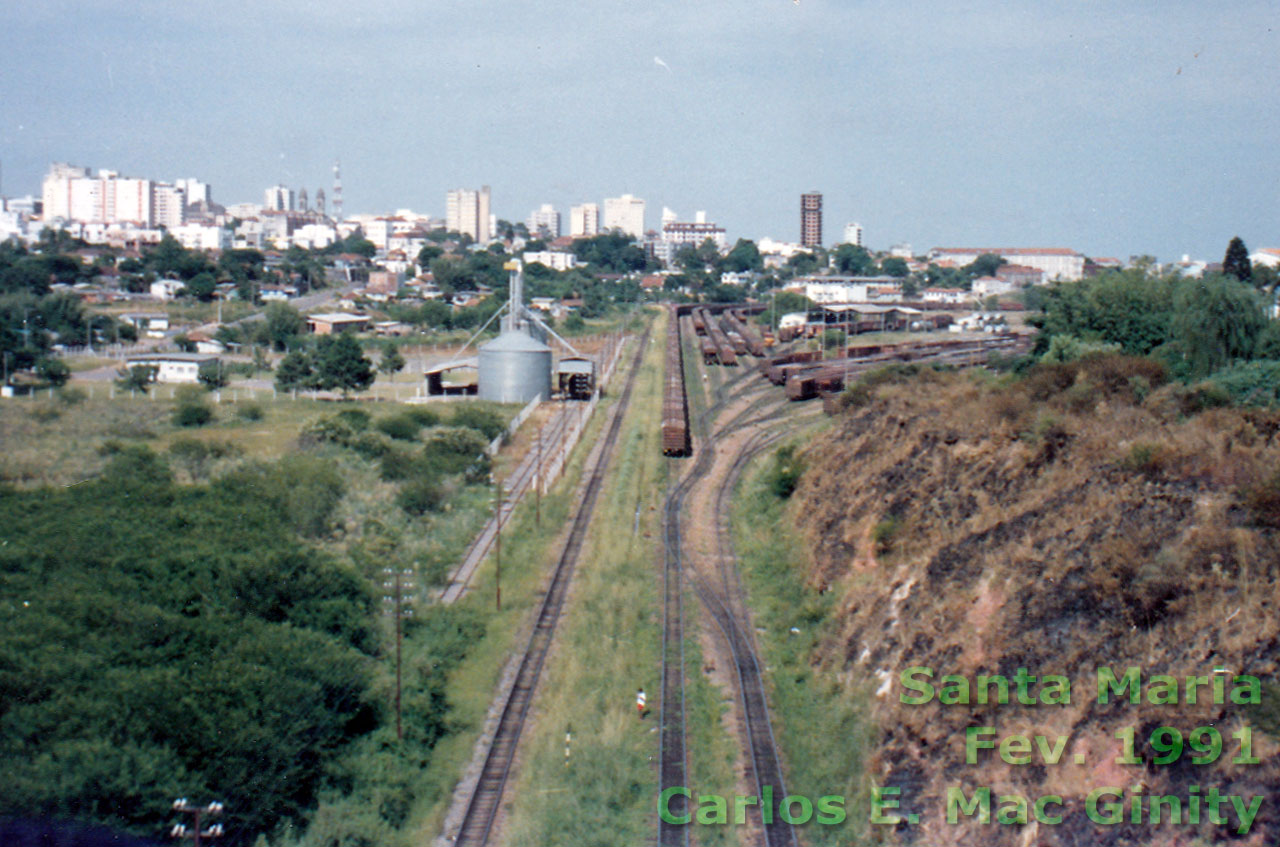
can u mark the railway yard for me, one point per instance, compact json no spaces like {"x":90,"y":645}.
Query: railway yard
{"x":699,"y":396}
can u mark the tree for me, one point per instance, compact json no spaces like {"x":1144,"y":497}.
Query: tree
{"x":53,"y":371}
{"x":341,"y":364}
{"x":392,"y":362}
{"x":895,"y":266}
{"x":1216,"y":320}
{"x":1236,"y":261}
{"x":295,"y":371}
{"x":985,"y":265}
{"x":854,"y":260}
{"x":136,"y":378}
{"x":211,"y":375}
{"x":744,"y":256}
{"x":284,"y":323}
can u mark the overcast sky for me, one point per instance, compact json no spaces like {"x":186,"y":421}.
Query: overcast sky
{"x":1153,"y":130}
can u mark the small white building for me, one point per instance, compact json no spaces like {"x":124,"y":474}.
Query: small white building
{"x":986,"y":286}
{"x":152,"y":324}
{"x":166,"y":289}
{"x":173,"y":367}
{"x":557,"y":260}
{"x":948,"y":296}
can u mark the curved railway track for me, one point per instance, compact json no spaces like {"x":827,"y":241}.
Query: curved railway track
{"x":486,"y":799}
{"x":722,"y":599}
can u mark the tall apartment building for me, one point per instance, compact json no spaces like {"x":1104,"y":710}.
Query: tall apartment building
{"x":195,"y":191}
{"x":584,"y":219}
{"x":70,"y":193}
{"x":169,"y":206}
{"x":467,"y":212}
{"x":625,"y":213}
{"x":853,"y":234}
{"x":278,"y":198}
{"x":544,"y":221}
{"x":811,"y":219}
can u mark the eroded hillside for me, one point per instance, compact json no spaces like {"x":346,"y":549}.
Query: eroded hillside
{"x":1081,"y":518}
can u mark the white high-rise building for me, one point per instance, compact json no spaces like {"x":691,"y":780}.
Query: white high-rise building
{"x":278,"y":198}
{"x":853,"y":234}
{"x":467,"y":212}
{"x":584,"y":219}
{"x":56,"y":190}
{"x":169,"y":206}
{"x":544,"y":222}
{"x":626,"y":214}
{"x":195,"y":191}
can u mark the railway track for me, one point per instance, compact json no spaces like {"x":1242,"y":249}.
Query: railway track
{"x":486,"y":799}
{"x":722,"y":598}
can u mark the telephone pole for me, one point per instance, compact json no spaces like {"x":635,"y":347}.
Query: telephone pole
{"x":398,"y":606}
{"x":195,"y":833}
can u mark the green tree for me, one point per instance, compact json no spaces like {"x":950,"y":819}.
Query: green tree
{"x":1236,"y":261}
{"x":136,"y":378}
{"x":985,"y":265}
{"x":212,"y":375}
{"x":53,"y":371}
{"x":745,"y":256}
{"x":895,"y":266}
{"x":295,"y":371}
{"x":1216,"y":320}
{"x":341,"y":364}
{"x":284,"y":324}
{"x":854,"y":260}
{"x":392,"y":362}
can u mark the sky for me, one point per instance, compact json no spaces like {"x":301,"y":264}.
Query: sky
{"x":985,"y":124}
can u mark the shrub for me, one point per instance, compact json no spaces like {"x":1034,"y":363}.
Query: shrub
{"x":786,"y":472}
{"x":423,"y":417}
{"x":304,"y":488}
{"x":882,"y":534}
{"x":1146,"y":458}
{"x":250,"y":412}
{"x":421,"y":496}
{"x":189,"y":414}
{"x":357,"y":419}
{"x":1263,"y":501}
{"x":477,"y":418}
{"x":456,"y":449}
{"x":401,"y":427}
{"x":46,"y":412}
{"x":1251,"y":383}
{"x":71,"y":396}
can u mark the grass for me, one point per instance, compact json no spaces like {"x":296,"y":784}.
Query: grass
{"x":606,"y":646}
{"x":822,"y":727}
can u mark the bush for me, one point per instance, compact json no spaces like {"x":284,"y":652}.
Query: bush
{"x":423,"y":417}
{"x":882,"y":534}
{"x":1146,"y":458}
{"x":455,"y":449}
{"x":786,"y":472}
{"x":479,"y":419}
{"x":1251,"y":383}
{"x":71,"y":396}
{"x":1263,"y":501}
{"x":401,"y":427}
{"x":249,"y":412}
{"x":421,"y":496}
{"x":189,"y":414}
{"x":304,"y":488}
{"x":357,"y":419}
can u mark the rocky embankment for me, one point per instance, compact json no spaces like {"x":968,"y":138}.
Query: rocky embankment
{"x":1082,"y":518}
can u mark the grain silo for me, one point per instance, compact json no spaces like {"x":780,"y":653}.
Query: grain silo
{"x":515,"y":367}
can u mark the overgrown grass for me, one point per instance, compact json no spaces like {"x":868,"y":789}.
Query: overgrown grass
{"x":606,"y":647}
{"x":821,"y":724}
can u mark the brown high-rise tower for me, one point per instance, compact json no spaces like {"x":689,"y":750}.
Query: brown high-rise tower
{"x":811,"y":219}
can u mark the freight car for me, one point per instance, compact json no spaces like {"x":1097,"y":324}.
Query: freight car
{"x":675,"y":405}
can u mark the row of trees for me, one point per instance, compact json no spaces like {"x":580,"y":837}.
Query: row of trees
{"x":1196,"y":325}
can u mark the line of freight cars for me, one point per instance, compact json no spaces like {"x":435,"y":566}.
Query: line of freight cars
{"x":726,"y":336}
{"x":805,"y":378}
{"x":675,"y":402}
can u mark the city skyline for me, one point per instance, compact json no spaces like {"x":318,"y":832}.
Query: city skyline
{"x":1142,"y":131}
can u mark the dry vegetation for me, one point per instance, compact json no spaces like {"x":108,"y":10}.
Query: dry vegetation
{"x":1086,"y":515}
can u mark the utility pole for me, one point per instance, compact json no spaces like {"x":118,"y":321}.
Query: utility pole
{"x":398,"y":606}
{"x":497,"y":544}
{"x":537,"y":485}
{"x":179,"y":830}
